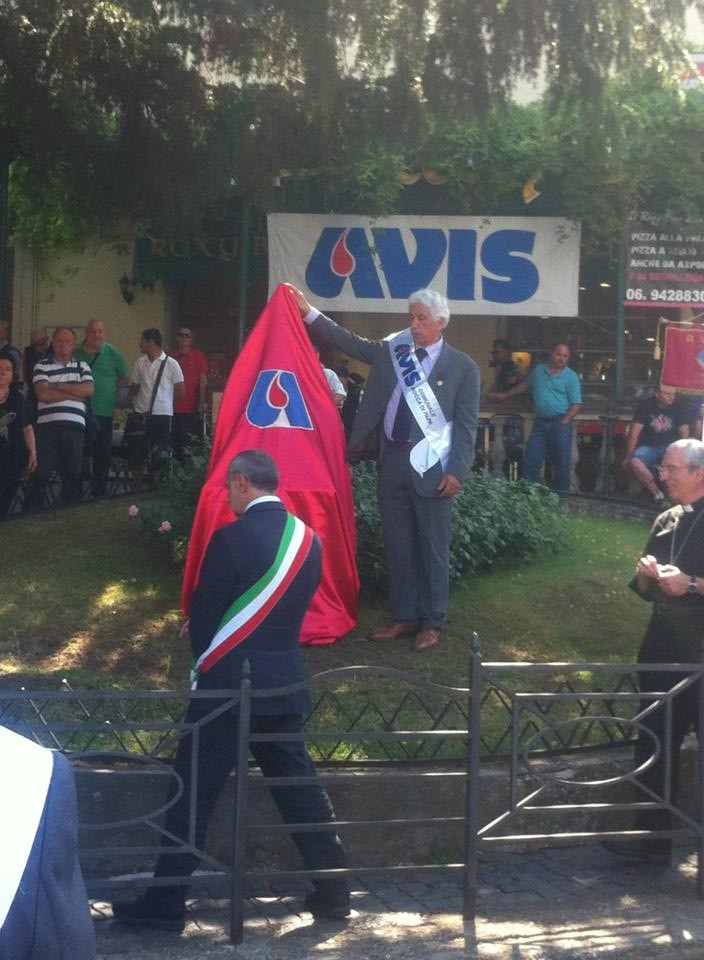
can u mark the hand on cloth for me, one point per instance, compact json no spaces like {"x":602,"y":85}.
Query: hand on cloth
{"x":301,"y":301}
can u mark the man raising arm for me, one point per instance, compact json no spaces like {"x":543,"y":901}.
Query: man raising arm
{"x":421,"y":401}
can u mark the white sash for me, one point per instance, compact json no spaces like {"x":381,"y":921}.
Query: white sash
{"x":26,"y":773}
{"x":437,"y":432}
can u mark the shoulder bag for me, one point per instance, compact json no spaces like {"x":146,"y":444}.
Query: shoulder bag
{"x":137,"y":424}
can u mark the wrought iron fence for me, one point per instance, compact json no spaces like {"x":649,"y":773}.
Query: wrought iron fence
{"x":351,"y":700}
{"x":110,"y":731}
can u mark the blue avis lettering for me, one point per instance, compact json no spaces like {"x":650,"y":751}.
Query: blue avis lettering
{"x":500,"y":265}
{"x":407,"y":363}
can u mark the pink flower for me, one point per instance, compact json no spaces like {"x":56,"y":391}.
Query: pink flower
{"x":133,"y":510}
{"x":164,"y":527}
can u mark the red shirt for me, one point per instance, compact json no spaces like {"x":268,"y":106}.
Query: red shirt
{"x":193,"y":364}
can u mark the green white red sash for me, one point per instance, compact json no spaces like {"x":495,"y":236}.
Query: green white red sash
{"x":249,"y":610}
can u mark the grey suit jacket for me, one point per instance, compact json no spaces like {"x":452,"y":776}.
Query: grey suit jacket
{"x":454,"y":380}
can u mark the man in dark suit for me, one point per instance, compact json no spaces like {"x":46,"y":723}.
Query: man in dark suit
{"x":421,"y":406}
{"x":44,"y":910}
{"x":265,"y":548}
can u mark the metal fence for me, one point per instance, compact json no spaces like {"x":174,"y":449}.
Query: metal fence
{"x":109,"y":731}
{"x":557,"y":714}
{"x":351,"y":700}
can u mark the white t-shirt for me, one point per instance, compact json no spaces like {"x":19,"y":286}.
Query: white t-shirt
{"x":145,"y":373}
{"x":336,"y":385}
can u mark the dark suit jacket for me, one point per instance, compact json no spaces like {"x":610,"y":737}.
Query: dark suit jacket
{"x":455,"y":382}
{"x":237,"y":556}
{"x":49,"y":918}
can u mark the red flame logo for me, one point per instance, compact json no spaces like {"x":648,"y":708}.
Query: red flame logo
{"x":276,"y":394}
{"x":342,"y":261}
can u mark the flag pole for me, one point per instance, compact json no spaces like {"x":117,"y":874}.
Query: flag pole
{"x":244,"y":272}
{"x":620,"y":318}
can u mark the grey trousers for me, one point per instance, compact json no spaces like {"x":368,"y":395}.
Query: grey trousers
{"x":416,"y":542}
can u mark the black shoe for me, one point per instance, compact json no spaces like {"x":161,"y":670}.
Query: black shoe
{"x":145,"y":912}
{"x":643,"y":851}
{"x":327,"y":908}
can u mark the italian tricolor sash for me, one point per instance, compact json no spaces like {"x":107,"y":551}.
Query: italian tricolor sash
{"x":249,"y":610}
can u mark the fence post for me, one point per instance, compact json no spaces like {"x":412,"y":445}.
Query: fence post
{"x":471,"y":821}
{"x":239,"y":826}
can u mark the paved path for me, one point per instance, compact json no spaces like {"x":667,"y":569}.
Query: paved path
{"x":580,"y":903}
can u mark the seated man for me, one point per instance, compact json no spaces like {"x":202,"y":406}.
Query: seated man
{"x":658,"y":421}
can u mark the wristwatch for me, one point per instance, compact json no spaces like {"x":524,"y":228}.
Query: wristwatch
{"x":692,"y":585}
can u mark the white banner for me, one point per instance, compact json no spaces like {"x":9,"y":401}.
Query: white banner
{"x":517,"y":266}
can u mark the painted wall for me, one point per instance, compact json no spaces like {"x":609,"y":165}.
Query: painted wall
{"x":70,"y":289}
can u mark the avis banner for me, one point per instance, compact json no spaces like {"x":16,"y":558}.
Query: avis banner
{"x":522,"y":266}
{"x":683,"y":359}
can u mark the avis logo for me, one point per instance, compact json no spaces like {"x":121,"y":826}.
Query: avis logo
{"x":277,"y":401}
{"x":495,"y":268}
{"x":407,"y":364}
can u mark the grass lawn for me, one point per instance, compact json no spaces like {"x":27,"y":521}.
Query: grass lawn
{"x":88,"y":596}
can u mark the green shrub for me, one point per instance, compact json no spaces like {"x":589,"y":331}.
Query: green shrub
{"x":493,"y":519}
{"x":176,"y":499}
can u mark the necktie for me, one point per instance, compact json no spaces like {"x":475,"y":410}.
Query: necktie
{"x":404,"y":418}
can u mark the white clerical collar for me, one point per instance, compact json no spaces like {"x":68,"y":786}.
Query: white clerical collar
{"x":269,"y":498}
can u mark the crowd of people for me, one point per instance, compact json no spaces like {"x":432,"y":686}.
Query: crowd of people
{"x":58,"y":399}
{"x":659,"y":418}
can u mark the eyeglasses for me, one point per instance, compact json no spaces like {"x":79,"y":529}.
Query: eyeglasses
{"x":669,"y":469}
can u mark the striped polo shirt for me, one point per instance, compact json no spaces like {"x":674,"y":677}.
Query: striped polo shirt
{"x":66,"y":411}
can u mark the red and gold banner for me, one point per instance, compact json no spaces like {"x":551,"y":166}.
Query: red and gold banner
{"x":683,"y":359}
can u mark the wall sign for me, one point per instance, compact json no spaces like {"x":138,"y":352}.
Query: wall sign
{"x":523,"y":266}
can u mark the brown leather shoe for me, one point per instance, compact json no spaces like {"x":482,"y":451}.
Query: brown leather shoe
{"x":428,"y":638}
{"x":392,"y":631}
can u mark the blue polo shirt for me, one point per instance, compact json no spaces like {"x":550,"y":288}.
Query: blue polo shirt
{"x":553,"y":395}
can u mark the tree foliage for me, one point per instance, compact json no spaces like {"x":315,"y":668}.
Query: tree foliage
{"x":166,"y":111}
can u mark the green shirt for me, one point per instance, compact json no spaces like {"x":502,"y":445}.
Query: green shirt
{"x":107,"y":366}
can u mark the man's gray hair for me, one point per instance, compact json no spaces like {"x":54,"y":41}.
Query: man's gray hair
{"x":692,"y":452}
{"x":67,"y":329}
{"x":257,"y":467}
{"x":438,"y":304}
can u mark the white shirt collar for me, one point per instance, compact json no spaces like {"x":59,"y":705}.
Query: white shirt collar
{"x":269,"y":498}
{"x":434,"y":349}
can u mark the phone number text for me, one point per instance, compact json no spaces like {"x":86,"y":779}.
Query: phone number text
{"x":638,"y":294}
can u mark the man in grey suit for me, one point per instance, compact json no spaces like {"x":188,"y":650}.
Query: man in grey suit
{"x":420,"y":410}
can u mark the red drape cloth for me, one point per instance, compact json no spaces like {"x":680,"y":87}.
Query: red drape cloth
{"x":277,"y":400}
{"x":683,"y":359}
